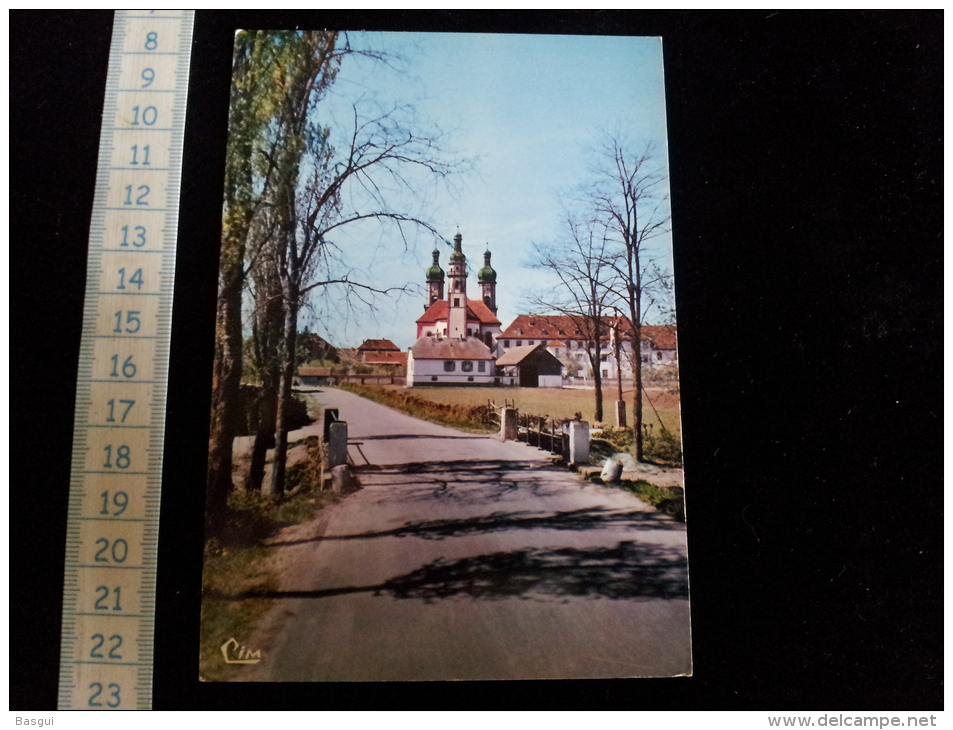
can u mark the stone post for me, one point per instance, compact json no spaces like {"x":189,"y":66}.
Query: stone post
{"x":337,"y":444}
{"x":578,"y":442}
{"x":509,"y":424}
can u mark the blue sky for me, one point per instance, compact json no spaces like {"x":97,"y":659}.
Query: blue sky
{"x":525,"y":107}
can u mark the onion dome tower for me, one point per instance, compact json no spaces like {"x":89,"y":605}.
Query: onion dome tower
{"x":435,"y":277}
{"x":487,"y":279}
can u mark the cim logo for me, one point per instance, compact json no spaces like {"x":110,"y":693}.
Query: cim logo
{"x":235,"y":653}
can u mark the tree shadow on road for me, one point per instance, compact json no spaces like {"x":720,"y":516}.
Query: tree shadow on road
{"x":630,"y":570}
{"x":463,"y":481}
{"x":587,"y":519}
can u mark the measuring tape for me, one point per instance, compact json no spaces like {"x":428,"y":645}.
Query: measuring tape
{"x":119,"y":427}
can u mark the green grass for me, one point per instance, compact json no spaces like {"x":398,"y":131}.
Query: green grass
{"x":668,"y":500}
{"x":227,"y":573}
{"x":236,"y":565}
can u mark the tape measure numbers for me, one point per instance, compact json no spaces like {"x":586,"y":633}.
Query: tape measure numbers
{"x":119,"y":426}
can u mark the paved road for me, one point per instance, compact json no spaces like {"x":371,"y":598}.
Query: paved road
{"x":466,"y":558}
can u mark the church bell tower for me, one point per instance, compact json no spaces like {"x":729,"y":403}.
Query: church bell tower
{"x":457,"y":290}
{"x":487,"y":279}
{"x":435,"y":277}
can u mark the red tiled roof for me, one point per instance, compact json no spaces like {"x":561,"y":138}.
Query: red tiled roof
{"x":556,"y":343}
{"x":476,"y":309}
{"x":386,"y":358}
{"x":378,"y":345}
{"x":542,"y":326}
{"x":662,"y":336}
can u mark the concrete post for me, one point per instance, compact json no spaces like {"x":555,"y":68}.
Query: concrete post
{"x":330,"y":416}
{"x":337,"y":444}
{"x":578,"y":442}
{"x":620,"y":414}
{"x":341,"y":479}
{"x":509,"y":424}
{"x":611,"y":471}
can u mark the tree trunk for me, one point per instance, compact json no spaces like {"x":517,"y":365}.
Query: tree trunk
{"x":226,"y":401}
{"x":596,"y":361}
{"x":637,"y":388}
{"x":276,"y":486}
{"x":265,"y":433}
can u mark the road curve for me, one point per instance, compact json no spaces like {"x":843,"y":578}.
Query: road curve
{"x":465,"y":558}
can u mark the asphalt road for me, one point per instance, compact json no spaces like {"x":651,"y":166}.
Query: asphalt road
{"x":466,"y":558}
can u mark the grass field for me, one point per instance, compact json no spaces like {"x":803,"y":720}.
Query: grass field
{"x":557,"y":403}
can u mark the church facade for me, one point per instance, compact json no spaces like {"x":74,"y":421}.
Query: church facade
{"x":456,"y":335}
{"x":456,"y":315}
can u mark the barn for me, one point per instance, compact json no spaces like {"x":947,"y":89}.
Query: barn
{"x":532,"y":366}
{"x":310,"y":377}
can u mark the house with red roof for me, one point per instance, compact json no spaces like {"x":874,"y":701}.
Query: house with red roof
{"x":382,"y":353}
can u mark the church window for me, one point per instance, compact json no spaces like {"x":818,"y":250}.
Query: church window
{"x":449,"y":366}
{"x":467,"y":366}
{"x":481,"y":366}
{"x":456,"y":301}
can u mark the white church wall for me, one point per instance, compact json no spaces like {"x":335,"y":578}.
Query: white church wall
{"x":435,"y":372}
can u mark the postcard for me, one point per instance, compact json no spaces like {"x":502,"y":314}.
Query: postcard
{"x":445,"y":430}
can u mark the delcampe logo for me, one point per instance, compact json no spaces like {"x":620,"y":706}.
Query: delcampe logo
{"x":232,"y":649}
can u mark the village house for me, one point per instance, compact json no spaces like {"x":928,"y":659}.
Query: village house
{"x":382,"y":354}
{"x":314,"y":347}
{"x":450,"y":361}
{"x":530,"y":366}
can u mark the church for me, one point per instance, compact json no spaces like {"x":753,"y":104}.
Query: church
{"x":456,"y":335}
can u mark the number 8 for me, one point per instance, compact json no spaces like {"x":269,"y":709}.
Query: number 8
{"x":152,"y":41}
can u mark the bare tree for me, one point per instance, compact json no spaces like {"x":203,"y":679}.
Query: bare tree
{"x":627,"y":196}
{"x":580,"y":262}
{"x":366,"y":181}
{"x":286,"y":192}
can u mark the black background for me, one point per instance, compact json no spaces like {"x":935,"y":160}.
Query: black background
{"x":806,"y":176}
